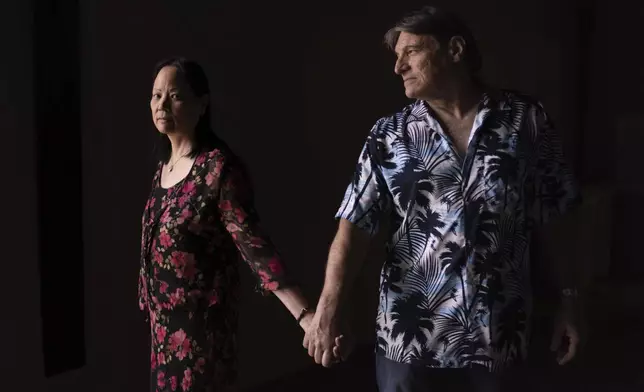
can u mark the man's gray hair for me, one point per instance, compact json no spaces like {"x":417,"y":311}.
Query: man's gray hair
{"x":441,"y":25}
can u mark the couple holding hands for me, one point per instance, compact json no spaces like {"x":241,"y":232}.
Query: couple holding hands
{"x":464,"y":175}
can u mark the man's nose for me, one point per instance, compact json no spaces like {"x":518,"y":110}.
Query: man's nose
{"x":400,"y":66}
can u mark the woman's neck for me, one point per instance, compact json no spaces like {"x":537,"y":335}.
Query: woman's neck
{"x":181,"y":145}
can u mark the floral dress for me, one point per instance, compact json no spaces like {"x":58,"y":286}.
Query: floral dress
{"x":193,"y":237}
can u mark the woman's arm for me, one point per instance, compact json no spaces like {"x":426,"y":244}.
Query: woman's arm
{"x":238,"y":214}
{"x":297,"y":304}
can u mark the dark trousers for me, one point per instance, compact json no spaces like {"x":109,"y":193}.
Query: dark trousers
{"x":401,"y":377}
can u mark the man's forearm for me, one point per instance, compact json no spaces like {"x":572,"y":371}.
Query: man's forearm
{"x":346,"y":256}
{"x":560,"y":242}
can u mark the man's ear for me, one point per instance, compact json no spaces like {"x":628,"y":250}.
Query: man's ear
{"x":456,"y":48}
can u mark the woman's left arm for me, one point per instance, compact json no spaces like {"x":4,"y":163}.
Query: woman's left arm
{"x":238,"y":214}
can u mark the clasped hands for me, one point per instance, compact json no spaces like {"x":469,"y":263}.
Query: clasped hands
{"x":323,"y":341}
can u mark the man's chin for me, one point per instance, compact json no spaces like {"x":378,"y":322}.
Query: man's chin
{"x":411,"y":93}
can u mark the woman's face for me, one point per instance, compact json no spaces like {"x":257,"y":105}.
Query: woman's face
{"x":175,"y":108}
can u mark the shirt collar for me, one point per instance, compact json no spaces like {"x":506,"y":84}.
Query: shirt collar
{"x":492,"y":99}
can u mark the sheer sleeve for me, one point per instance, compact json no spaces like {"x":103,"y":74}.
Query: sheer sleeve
{"x":241,"y":220}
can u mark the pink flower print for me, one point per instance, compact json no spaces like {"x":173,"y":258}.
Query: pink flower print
{"x":210,"y":178}
{"x":267,"y":282}
{"x":176,"y":339}
{"x":232,"y":228}
{"x":166,"y":213}
{"x":185,"y":214}
{"x":161,"y":359}
{"x":161,"y":380}
{"x":184,"y":264}
{"x":240,"y":215}
{"x":165,"y":239}
{"x":177,"y":298}
{"x":178,"y":259}
{"x":187,"y":380}
{"x":161,"y":333}
{"x":275,"y":266}
{"x":263,"y":276}
{"x":183,"y":199}
{"x":153,"y":360}
{"x":225,"y":205}
{"x":271,"y":286}
{"x":184,"y":350}
{"x":157,"y":257}
{"x":188,"y":187}
{"x":180,"y":344}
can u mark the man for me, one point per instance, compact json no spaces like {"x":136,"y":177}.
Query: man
{"x":464,"y":175}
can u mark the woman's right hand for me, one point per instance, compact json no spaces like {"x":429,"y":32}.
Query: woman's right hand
{"x":343,"y":348}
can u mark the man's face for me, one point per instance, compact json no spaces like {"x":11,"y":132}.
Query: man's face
{"x":422,"y":64}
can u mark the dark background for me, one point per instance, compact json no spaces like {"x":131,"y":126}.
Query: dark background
{"x":297,"y":90}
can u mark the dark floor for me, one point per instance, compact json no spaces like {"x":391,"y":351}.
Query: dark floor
{"x":611,"y":360}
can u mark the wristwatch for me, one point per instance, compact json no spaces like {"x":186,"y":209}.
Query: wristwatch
{"x":570,"y":293}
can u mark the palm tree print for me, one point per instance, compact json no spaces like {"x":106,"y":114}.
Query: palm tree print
{"x":452,"y":289}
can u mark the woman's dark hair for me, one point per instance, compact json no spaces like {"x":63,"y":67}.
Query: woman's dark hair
{"x":205,"y":138}
{"x":441,"y":25}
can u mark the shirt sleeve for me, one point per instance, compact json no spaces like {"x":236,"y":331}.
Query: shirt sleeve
{"x":367,"y":197}
{"x":241,"y":220}
{"x":556,"y":191}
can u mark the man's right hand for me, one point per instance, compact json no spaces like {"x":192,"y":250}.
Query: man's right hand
{"x":323,"y":341}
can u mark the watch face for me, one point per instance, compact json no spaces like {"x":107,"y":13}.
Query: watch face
{"x":569,"y":292}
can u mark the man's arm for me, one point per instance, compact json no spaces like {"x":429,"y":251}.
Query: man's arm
{"x":366,"y":200}
{"x":556,"y":210}
{"x":346,"y":256}
{"x":559,"y":244}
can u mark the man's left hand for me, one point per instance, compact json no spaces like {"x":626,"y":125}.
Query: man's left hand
{"x":566,"y":326}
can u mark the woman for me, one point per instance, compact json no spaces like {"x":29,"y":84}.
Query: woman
{"x":197,"y":222}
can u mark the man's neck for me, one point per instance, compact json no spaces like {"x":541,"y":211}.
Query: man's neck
{"x":457,"y":102}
